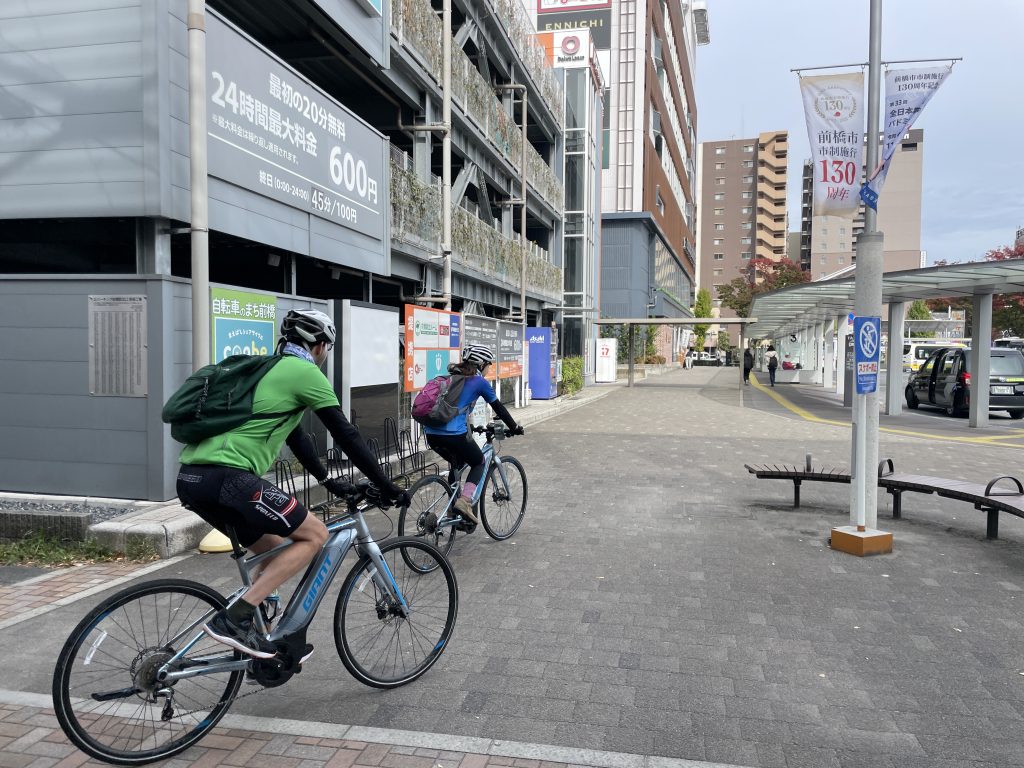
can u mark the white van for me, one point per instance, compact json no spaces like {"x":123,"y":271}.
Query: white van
{"x":916,"y":351}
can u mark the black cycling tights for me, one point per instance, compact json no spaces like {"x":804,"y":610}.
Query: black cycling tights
{"x":458,"y":450}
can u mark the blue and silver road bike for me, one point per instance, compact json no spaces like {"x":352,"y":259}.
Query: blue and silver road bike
{"x":500,"y":500}
{"x":139,"y":680}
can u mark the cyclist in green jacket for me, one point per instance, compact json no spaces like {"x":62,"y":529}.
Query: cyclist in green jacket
{"x":221,"y":477}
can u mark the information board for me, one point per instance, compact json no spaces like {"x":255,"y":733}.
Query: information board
{"x":242,"y":323}
{"x":433,"y":338}
{"x":510,"y":350}
{"x":482,"y":331}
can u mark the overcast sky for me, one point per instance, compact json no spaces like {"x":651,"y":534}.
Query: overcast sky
{"x":973,"y":197}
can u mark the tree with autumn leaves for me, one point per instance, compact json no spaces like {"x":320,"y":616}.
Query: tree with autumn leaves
{"x":761,"y":275}
{"x":1007,"y":308}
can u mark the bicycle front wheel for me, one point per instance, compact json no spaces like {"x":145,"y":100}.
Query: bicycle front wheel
{"x":378,"y":645}
{"x":502,"y":509}
{"x":105,"y":692}
{"x":428,"y":496}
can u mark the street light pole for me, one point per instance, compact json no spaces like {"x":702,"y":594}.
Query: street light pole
{"x":197,"y":170}
{"x":861,"y":537}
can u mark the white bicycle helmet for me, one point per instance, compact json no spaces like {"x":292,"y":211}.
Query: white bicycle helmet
{"x":477,"y":353}
{"x":309,"y":325}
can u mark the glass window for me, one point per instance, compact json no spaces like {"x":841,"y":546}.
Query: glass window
{"x":745,"y":241}
{"x":746,"y":225}
{"x":747,"y":195}
{"x":719,"y":227}
{"x":947,"y":365}
{"x":576,"y":87}
{"x":717,"y":272}
{"x":718,"y":241}
{"x":719,"y":195}
{"x":748,"y":179}
{"x":745,"y":210}
{"x":719,"y":150}
{"x":719,"y":166}
{"x":746,"y":255}
{"x":1007,"y":365}
{"x":719,"y":256}
{"x":720,"y":180}
{"x":575,"y":170}
{"x":719,"y":211}
{"x":574,"y":264}
{"x":926,"y":369}
{"x":748,"y":163}
{"x":748,"y":147}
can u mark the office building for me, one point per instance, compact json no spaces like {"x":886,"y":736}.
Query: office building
{"x":648,"y":201}
{"x":575,"y":53}
{"x":833,"y":239}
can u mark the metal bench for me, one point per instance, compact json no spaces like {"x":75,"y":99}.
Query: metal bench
{"x":986,"y":498}
{"x":798,"y":474}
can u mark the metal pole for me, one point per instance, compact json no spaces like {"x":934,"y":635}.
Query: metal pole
{"x":629,"y":327}
{"x":868,"y":296}
{"x":200,"y":226}
{"x":524,"y":255}
{"x":446,"y":150}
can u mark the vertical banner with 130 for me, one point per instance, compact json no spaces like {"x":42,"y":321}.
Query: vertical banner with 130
{"x":835,"y":128}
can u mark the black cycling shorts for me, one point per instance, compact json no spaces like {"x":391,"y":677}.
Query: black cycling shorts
{"x":225,"y":496}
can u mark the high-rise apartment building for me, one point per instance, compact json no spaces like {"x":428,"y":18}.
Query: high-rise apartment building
{"x":833,"y":239}
{"x":648,"y":259}
{"x":742,"y":207}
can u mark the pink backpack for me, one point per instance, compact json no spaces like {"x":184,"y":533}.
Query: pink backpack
{"x":436,"y":403}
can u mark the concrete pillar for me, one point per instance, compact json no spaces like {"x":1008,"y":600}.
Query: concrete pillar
{"x":980,"y":359}
{"x":819,"y":338}
{"x":153,"y":246}
{"x":828,"y":379}
{"x":841,"y":335}
{"x":894,"y":360}
{"x":422,"y":142}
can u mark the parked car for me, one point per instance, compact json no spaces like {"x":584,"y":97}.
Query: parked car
{"x":916,"y":351}
{"x":944,"y":381}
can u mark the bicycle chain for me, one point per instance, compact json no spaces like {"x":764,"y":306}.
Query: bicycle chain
{"x":233,"y":699}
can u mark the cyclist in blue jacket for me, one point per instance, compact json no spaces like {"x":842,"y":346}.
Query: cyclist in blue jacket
{"x":452,"y":441}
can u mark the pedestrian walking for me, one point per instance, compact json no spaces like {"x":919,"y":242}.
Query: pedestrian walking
{"x":748,"y":363}
{"x":773,"y":362}
{"x":690,"y":354}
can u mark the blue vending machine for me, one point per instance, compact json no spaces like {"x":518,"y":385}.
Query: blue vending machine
{"x":543,"y":363}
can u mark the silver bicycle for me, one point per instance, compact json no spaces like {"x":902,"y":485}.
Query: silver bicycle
{"x":139,"y":680}
{"x":500,"y":500}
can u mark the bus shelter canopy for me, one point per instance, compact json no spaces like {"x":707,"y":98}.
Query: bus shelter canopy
{"x":792,"y":309}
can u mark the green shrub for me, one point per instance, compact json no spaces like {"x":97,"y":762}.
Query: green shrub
{"x":572,"y":375}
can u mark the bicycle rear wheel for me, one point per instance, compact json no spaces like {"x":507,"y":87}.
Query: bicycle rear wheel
{"x":502,"y":511}
{"x":105,"y":693}
{"x":428,"y":495}
{"x":379,"y":646}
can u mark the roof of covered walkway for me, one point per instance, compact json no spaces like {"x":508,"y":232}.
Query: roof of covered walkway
{"x":808,"y":309}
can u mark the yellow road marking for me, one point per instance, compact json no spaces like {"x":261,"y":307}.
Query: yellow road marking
{"x":806,"y":415}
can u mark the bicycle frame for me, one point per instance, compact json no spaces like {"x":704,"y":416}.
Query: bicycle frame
{"x":455,"y":483}
{"x":344,"y":534}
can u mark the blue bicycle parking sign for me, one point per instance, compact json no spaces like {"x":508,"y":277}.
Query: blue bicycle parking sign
{"x":867,"y":334}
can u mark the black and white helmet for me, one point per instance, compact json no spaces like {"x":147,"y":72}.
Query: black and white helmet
{"x":307,"y":325}
{"x":477,"y":353}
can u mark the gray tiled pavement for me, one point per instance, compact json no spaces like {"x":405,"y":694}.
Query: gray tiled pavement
{"x":660,"y":601}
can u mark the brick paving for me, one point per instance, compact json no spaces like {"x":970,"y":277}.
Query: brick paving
{"x":61,"y":586}
{"x":31,"y":738}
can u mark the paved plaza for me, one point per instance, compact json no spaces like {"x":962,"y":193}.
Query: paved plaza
{"x":658,"y":602}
